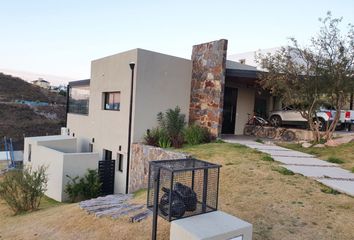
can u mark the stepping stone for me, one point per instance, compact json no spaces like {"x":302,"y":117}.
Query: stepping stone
{"x":271,"y":148}
{"x":126,"y":211}
{"x":110,"y":211}
{"x":321,"y":172}
{"x":303,"y":161}
{"x":244,"y":142}
{"x":97,"y":209}
{"x":342,"y":186}
{"x":141,"y":216}
{"x":287,"y":153}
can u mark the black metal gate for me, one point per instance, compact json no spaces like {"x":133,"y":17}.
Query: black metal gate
{"x":106,"y":173}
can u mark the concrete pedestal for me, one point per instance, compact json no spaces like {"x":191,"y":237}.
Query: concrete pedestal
{"x":211,"y":226}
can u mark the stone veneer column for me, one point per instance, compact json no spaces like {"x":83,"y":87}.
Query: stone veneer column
{"x":208,"y":80}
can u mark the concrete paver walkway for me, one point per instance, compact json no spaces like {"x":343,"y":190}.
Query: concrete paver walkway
{"x":305,"y":164}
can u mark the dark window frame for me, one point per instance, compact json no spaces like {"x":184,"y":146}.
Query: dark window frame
{"x":110,"y":103}
{"x":107,"y":154}
{"x":90,"y":147}
{"x":78,"y":99}
{"x":120,"y":158}
{"x":29,"y":152}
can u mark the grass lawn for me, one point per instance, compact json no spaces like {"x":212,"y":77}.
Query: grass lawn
{"x":343,"y":154}
{"x":252,"y":187}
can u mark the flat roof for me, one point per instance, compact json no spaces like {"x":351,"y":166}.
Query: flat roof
{"x":242,"y":73}
{"x":50,"y":138}
{"x":84,"y":82}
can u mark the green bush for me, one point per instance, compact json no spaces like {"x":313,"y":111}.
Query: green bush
{"x":195,"y":134}
{"x":164,"y":140}
{"x":152,"y":137}
{"x":87,"y":187}
{"x":23,"y":189}
{"x":173,"y":122}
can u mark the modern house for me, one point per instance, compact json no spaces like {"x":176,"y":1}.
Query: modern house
{"x":40,"y":82}
{"x":126,"y":91}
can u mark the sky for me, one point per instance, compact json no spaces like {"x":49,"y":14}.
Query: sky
{"x":61,"y":38}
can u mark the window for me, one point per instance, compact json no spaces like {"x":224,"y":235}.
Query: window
{"x":90,"y":147}
{"x":79,"y":99}
{"x":112,"y":101}
{"x":107,"y":154}
{"x":120,"y":162}
{"x":29,"y":152}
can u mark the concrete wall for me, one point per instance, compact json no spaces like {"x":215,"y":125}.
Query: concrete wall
{"x":141,"y":156}
{"x":162,"y":82}
{"x":66,"y":146}
{"x":58,"y":163}
{"x":109,"y":129}
{"x":245,"y":105}
{"x":18,"y":155}
{"x":77,"y":164}
{"x":53,"y":161}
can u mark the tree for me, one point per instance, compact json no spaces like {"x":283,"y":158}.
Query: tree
{"x":307,"y":77}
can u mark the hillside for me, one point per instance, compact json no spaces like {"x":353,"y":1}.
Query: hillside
{"x":20,"y":120}
{"x":13,"y":88}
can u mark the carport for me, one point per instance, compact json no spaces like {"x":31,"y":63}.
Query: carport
{"x":242,"y":97}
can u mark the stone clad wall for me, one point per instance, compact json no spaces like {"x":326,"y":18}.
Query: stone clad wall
{"x":139,"y":165}
{"x":208,"y":80}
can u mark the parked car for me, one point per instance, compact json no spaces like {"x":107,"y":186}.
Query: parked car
{"x":349,"y":117}
{"x":343,"y":118}
{"x":292,"y":117}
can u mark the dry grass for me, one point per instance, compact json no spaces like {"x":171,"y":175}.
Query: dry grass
{"x":279,"y":206}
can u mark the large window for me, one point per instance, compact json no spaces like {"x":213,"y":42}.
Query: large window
{"x":111,"y":101}
{"x":79,"y":99}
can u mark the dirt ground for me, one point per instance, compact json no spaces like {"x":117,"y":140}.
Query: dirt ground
{"x":279,"y":206}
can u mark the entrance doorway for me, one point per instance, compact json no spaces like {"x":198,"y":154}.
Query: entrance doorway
{"x":229,"y":111}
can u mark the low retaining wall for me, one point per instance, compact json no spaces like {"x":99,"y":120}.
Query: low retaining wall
{"x":139,"y":165}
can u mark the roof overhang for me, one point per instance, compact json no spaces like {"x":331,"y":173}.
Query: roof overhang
{"x":85,"y":82}
{"x":240,"y":73}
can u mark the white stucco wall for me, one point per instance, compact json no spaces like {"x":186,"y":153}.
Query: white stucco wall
{"x":58,"y":163}
{"x":162,"y":82}
{"x":245,"y":105}
{"x":53,"y":161}
{"x":77,"y":164}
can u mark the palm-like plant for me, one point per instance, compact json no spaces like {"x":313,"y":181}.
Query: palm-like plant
{"x":173,"y":122}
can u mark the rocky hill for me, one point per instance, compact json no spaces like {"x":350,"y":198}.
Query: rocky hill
{"x":19,"y":120}
{"x":13,"y":88}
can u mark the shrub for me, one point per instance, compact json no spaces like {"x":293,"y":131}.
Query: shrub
{"x":23,"y":189}
{"x":173,"y":122}
{"x":195,"y":134}
{"x":87,"y":187}
{"x":164,"y":140}
{"x":152,"y":137}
